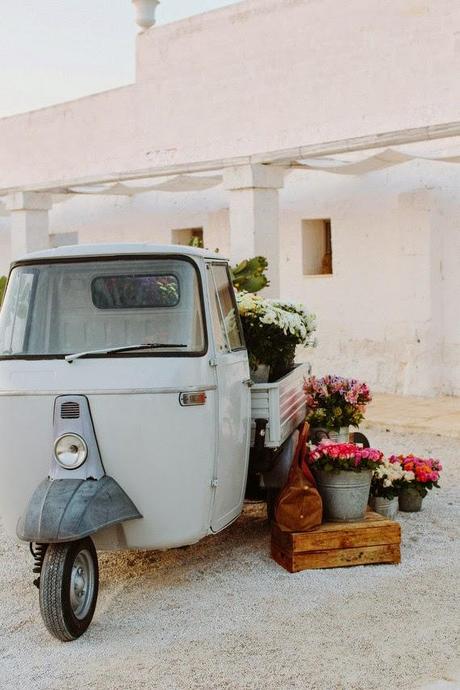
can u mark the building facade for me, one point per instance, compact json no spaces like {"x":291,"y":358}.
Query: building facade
{"x":229,"y":112}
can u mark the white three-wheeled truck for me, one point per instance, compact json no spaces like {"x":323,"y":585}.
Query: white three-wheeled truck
{"x":125,"y":411}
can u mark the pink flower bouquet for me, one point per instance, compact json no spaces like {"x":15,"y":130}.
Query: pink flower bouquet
{"x":334,"y":457}
{"x":420,"y":474}
{"x":334,"y":401}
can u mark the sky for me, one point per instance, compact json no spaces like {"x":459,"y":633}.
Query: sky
{"x":56,"y":50}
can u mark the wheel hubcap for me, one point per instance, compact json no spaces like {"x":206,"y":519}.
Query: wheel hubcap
{"x":82,"y":584}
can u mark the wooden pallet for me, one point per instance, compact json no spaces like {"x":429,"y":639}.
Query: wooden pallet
{"x":337,"y":544}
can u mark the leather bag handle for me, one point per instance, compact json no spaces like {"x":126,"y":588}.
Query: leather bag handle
{"x":303,"y":452}
{"x":301,"y":449}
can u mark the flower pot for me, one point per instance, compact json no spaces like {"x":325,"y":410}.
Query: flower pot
{"x":410,"y":501}
{"x":280,"y":368}
{"x":261,"y":374}
{"x":345,"y":494}
{"x":385,"y":506}
{"x":341,"y":435}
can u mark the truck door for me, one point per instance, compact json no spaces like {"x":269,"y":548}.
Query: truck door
{"x":233,"y":398}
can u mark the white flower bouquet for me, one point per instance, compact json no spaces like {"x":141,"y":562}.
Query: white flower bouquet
{"x":273,"y":328}
{"x":389,"y":478}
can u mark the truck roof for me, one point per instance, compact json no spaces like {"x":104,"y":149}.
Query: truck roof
{"x":97,"y":250}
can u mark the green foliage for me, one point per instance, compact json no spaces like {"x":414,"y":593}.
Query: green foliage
{"x":249,"y":275}
{"x":2,"y":287}
{"x":267,"y":344}
{"x":196,"y":242}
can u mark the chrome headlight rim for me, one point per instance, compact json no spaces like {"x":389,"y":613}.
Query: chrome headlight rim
{"x":84,"y":450}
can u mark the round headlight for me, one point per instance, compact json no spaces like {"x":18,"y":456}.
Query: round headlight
{"x":70,"y":451}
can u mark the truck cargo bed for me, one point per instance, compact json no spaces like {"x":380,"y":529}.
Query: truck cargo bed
{"x":282,"y":403}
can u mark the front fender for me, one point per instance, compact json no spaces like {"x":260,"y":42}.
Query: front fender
{"x":69,"y":509}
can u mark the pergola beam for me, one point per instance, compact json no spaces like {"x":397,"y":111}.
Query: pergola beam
{"x":373,"y":141}
{"x":282,"y":157}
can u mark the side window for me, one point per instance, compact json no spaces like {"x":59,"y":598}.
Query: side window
{"x":226,"y":323}
{"x":16,"y":316}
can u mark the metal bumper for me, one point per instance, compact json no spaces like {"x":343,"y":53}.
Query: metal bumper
{"x":68,"y":509}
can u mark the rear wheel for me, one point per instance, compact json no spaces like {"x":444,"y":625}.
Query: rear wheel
{"x":69,"y":582}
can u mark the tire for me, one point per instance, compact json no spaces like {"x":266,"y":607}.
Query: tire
{"x":69,"y":583}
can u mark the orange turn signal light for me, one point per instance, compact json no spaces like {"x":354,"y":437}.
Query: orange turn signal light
{"x":191,"y":399}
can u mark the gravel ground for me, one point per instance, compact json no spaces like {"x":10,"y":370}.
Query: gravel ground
{"x":222,"y":614}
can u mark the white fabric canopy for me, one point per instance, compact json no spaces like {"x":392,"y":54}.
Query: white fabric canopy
{"x":193,"y":183}
{"x":378,"y":161}
{"x":179,"y":183}
{"x":349,"y":164}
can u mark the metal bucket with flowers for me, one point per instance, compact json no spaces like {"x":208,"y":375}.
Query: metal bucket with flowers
{"x":386,"y":485}
{"x":420,"y":476}
{"x":343,"y":473}
{"x":335,"y":403}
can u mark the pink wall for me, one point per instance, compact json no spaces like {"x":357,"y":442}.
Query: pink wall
{"x":253,"y":77}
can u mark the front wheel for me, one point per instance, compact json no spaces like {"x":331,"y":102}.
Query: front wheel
{"x":69,"y":583}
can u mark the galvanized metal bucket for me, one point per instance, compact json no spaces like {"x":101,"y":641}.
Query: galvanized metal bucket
{"x":345,"y":494}
{"x":410,"y":501}
{"x":385,"y":506}
{"x":340,"y":436}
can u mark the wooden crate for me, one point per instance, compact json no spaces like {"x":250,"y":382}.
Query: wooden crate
{"x":337,"y":544}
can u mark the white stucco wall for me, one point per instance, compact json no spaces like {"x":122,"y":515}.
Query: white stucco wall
{"x":388,"y":314}
{"x":264,"y":75}
{"x":390,"y":311}
{"x":257,"y":76}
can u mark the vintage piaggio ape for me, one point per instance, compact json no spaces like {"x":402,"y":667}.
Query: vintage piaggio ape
{"x":125,"y":411}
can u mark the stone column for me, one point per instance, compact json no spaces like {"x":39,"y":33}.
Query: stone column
{"x":29,"y":221}
{"x":254,"y":216}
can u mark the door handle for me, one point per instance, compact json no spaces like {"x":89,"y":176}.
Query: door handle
{"x":248,"y":382}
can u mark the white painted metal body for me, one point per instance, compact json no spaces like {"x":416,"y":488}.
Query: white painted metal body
{"x":185,"y":468}
{"x":282,"y":403}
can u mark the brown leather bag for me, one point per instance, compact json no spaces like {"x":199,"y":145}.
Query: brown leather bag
{"x":299,"y":507}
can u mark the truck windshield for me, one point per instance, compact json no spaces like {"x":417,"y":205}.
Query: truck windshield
{"x":57,"y":309}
